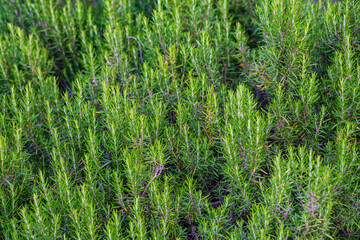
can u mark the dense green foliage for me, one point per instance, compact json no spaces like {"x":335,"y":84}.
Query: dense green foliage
{"x":179,"y":119}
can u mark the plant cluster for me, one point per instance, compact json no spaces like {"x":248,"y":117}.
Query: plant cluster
{"x":179,"y":119}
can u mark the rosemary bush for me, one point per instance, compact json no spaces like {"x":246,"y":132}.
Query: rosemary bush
{"x":169,"y":119}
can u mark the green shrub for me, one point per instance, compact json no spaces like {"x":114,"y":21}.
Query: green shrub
{"x":169,"y":119}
